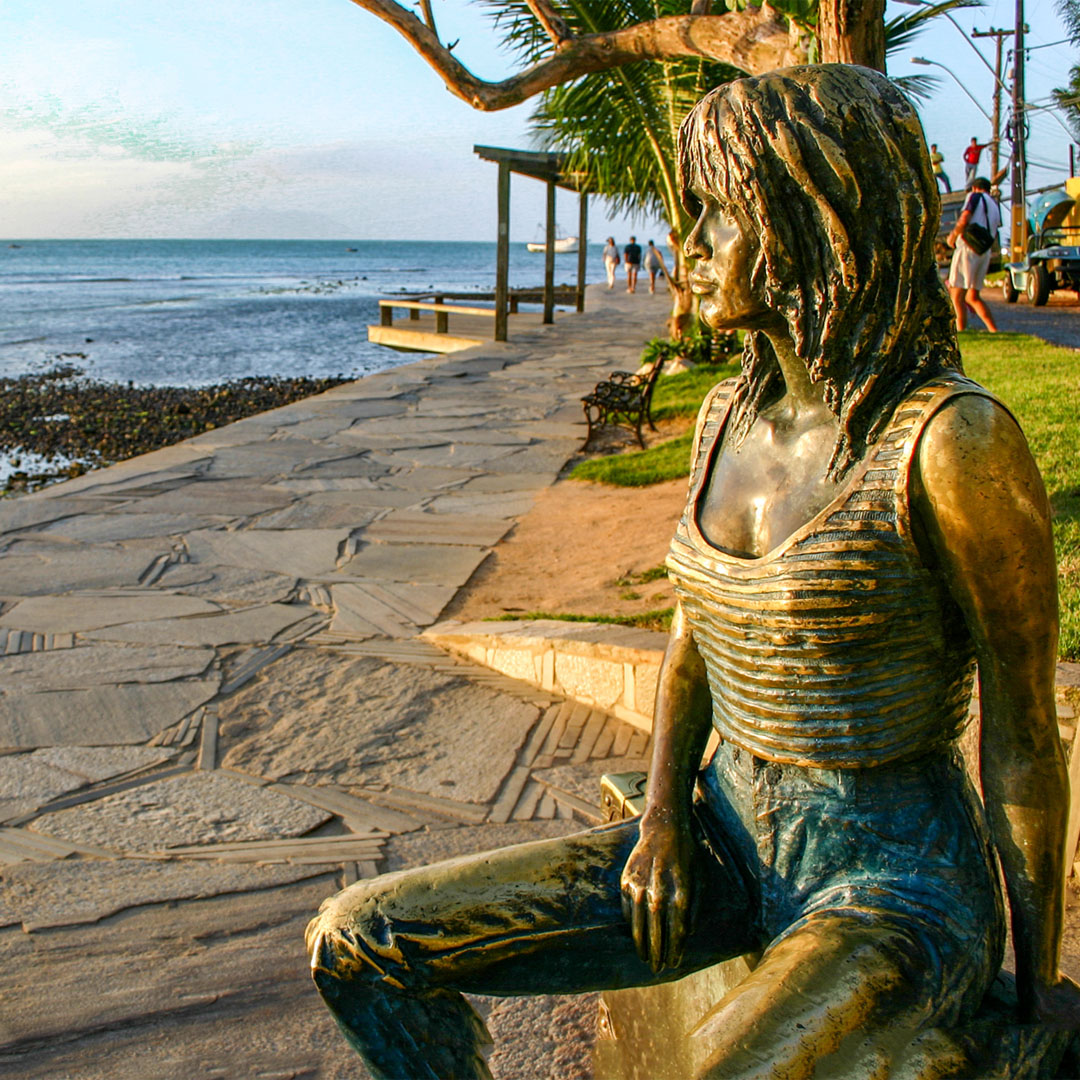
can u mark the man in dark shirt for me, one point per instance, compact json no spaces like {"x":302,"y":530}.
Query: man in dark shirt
{"x":632,"y":258}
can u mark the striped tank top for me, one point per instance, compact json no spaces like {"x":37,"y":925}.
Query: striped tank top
{"x":838,"y":649}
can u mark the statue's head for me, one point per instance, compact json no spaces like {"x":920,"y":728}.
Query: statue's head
{"x":826,"y":169}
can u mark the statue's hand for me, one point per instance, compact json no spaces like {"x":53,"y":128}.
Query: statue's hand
{"x":656,"y":888}
{"x":1058,"y":1006}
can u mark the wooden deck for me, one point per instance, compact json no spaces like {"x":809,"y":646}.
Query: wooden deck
{"x":419,"y":334}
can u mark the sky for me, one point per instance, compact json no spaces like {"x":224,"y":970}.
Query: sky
{"x":272,"y":118}
{"x":950,"y":118}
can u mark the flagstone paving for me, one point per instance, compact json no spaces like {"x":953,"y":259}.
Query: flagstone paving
{"x":215,"y":710}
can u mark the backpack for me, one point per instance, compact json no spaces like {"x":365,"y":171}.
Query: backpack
{"x":978,"y":237}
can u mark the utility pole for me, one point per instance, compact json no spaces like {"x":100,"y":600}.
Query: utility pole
{"x":1018,"y":236}
{"x":995,"y":142}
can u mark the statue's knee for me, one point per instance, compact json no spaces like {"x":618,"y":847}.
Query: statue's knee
{"x":352,"y":940}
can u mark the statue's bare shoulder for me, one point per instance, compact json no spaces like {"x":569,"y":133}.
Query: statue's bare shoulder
{"x":981,"y":508}
{"x":973,"y":470}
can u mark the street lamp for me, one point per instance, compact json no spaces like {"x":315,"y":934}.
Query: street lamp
{"x":934,"y":63}
{"x":960,"y":30}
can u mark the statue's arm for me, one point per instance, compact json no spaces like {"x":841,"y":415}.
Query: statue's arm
{"x":656,"y":880}
{"x":983,"y":520}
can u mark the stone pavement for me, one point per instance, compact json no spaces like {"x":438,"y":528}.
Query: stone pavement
{"x":215,"y":710}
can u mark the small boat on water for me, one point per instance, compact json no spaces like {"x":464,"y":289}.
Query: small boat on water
{"x":563,"y":244}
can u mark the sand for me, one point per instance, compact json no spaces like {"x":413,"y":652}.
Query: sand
{"x":581,"y":550}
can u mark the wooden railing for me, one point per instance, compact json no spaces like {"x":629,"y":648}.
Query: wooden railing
{"x":415,"y":303}
{"x":442,"y":312}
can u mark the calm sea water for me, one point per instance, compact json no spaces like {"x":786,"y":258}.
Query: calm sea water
{"x":191,"y":312}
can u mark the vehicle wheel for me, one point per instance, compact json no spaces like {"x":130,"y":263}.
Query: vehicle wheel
{"x":1009,"y":289}
{"x":1038,"y":285}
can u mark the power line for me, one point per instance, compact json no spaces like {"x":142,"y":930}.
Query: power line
{"x":1049,"y":44}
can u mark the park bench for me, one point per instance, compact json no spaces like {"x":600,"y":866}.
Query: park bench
{"x":624,"y":399}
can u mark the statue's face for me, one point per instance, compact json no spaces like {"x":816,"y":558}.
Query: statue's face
{"x":725,"y":251}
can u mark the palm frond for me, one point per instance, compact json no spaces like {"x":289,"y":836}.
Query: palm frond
{"x":921,"y":87}
{"x":1069,"y":10}
{"x":619,"y":127}
{"x":1068,"y":99}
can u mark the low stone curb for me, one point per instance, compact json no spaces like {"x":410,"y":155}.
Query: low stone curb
{"x":608,"y":667}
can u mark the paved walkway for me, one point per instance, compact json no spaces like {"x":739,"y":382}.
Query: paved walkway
{"x":214,"y":710}
{"x":1058,"y":322}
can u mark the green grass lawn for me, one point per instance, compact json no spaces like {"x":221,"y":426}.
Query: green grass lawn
{"x":1040,"y":383}
{"x":682,"y":395}
{"x":639,"y":468}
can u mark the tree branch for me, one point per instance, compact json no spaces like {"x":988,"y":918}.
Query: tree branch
{"x":554,"y":25}
{"x":753,"y":40}
{"x":429,"y":16}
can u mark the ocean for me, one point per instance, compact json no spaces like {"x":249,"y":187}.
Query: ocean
{"x":196,"y":312}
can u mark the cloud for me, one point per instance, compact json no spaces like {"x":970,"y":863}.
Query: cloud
{"x":107,"y":125}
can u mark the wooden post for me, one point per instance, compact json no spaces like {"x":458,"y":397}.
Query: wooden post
{"x":386,"y":315}
{"x":442,"y":322}
{"x":502,"y":252}
{"x":549,"y":256}
{"x":582,"y":246}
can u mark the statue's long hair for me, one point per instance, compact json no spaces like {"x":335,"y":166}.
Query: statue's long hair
{"x":827,"y":164}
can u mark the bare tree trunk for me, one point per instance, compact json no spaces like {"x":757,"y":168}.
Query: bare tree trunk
{"x":683,"y":306}
{"x":853,"y":32}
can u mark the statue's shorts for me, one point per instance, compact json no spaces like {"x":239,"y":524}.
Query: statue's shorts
{"x":903,"y":848}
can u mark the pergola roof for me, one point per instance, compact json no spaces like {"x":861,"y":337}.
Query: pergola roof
{"x":539,"y":164}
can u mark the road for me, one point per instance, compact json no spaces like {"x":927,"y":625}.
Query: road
{"x":1058,"y":322}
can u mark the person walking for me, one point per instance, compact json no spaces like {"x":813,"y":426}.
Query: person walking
{"x":611,"y":261}
{"x":972,"y":153}
{"x":632,"y":257}
{"x":968,"y":268}
{"x":937,"y":161}
{"x":654,"y":263}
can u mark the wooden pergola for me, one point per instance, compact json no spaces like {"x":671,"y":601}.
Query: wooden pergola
{"x":548,"y":167}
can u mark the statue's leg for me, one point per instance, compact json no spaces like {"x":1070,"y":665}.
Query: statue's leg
{"x":392,"y":955}
{"x":841,"y":997}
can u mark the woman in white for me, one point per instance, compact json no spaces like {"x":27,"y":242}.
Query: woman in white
{"x":611,"y":261}
{"x":969,"y":267}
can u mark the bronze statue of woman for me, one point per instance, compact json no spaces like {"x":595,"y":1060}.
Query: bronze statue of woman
{"x":864,"y":525}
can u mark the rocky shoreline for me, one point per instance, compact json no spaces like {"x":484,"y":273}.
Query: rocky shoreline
{"x":59,"y":424}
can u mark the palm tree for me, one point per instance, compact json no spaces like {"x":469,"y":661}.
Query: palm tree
{"x":619,"y":127}
{"x":1068,"y":97}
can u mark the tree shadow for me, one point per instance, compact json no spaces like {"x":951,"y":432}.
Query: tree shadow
{"x":1065,"y":505}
